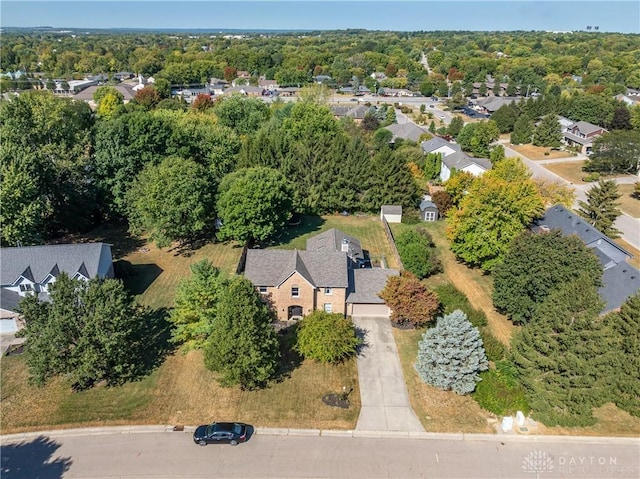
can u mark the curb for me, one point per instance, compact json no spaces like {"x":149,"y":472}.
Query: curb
{"x":433,"y":436}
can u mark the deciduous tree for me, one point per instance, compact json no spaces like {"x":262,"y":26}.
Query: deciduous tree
{"x":326,"y":337}
{"x":615,"y":152}
{"x":254,"y":204}
{"x":172,"y":201}
{"x":535,"y":265}
{"x":412,"y":304}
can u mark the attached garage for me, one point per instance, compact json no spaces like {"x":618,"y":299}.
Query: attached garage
{"x":363,"y":299}
{"x":370,"y":309}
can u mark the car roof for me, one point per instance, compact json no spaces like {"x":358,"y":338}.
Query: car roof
{"x":224,"y":426}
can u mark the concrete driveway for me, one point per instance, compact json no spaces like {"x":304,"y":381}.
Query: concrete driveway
{"x":383,"y":393}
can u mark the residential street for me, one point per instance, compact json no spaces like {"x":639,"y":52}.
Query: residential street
{"x":628,"y":226}
{"x":174,"y":455}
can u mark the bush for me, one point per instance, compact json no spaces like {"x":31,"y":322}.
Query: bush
{"x":492,"y":346}
{"x":451,"y":299}
{"x":498,"y":393}
{"x":591,"y":177}
{"x":417,"y":252}
{"x":326,"y":337}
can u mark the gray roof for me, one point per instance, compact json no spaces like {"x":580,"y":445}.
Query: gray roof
{"x":87,"y":94}
{"x":424,"y":204}
{"x":460,"y":160}
{"x":406,"y":131}
{"x":391,"y":210}
{"x":9,"y":299}
{"x":436,"y":142}
{"x":332,"y":240}
{"x":585,"y":127}
{"x":367,"y":283}
{"x":272,"y":267}
{"x":493,"y":103}
{"x":619,"y":280}
{"x":36,"y":262}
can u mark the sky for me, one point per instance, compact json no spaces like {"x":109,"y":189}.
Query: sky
{"x":477,"y":15}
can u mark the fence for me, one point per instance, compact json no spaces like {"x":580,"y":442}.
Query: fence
{"x":392,"y":243}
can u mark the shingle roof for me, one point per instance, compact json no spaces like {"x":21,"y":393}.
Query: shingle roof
{"x":391,"y":210}
{"x":407,"y":131}
{"x":332,"y":240}
{"x":585,"y":127}
{"x":619,"y":280}
{"x":87,"y":93}
{"x":424,"y":204}
{"x":436,"y":142}
{"x":460,"y":160}
{"x":367,"y":283}
{"x":39,"y":261}
{"x":9,"y":299}
{"x":272,"y":267}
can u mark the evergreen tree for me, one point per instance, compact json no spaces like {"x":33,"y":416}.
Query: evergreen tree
{"x":522,"y":130}
{"x":390,"y":182}
{"x":243,"y":346}
{"x":432,"y":165}
{"x":432,"y":127}
{"x":496,"y":154}
{"x":195,"y":304}
{"x":505,"y":117}
{"x":566,"y":356}
{"x":616,"y":152}
{"x":88,"y":332}
{"x":601,"y":209}
{"x":621,"y":119}
{"x":548,"y":133}
{"x":451,"y":354}
{"x":627,"y":325}
{"x":455,"y":126}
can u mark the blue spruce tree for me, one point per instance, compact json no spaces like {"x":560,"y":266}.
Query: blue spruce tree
{"x":451,"y":355}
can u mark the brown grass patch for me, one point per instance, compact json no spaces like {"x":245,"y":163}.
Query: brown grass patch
{"x":570,"y":171}
{"x":611,"y":421}
{"x":439,"y":411}
{"x":473,"y":283}
{"x":538,"y":152}
{"x":635,"y":261}
{"x":628,"y":203}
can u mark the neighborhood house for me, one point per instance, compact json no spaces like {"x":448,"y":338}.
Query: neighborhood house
{"x":453,"y":158}
{"x":32,"y":269}
{"x":329,"y":275}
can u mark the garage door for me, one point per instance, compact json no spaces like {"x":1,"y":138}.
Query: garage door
{"x":381,"y":310}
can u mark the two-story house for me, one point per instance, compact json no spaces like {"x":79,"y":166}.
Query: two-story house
{"x":581,"y":135}
{"x":453,"y":158}
{"x":33,"y":269}
{"x":329,"y":275}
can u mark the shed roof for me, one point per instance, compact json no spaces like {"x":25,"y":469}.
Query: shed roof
{"x":367,"y":283}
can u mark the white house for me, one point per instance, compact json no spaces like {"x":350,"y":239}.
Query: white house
{"x":454,"y":158}
{"x":33,"y":269}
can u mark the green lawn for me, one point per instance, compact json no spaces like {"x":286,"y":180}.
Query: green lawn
{"x":368,"y":229}
{"x":181,"y":390}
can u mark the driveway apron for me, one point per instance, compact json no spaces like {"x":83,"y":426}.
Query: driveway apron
{"x":383,"y":393}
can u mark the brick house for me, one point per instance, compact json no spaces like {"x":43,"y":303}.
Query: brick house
{"x":581,"y":135}
{"x":329,"y":275}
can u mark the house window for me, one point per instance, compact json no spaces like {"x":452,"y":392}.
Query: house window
{"x":263,"y":290}
{"x":328,"y":291}
{"x":429,"y":215}
{"x":26,"y":287}
{"x":328,"y":307}
{"x":295,"y":292}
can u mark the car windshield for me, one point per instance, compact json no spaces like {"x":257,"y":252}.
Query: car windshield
{"x":237,"y":428}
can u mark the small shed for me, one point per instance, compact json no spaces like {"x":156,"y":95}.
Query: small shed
{"x":393,"y":214}
{"x":428,"y":209}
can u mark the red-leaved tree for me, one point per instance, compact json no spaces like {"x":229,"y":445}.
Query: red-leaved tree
{"x":412,"y":304}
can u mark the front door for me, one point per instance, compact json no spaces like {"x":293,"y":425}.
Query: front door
{"x":295,"y":312}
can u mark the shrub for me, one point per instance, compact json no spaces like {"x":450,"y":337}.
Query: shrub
{"x":492,"y":346}
{"x":499,"y":393}
{"x":591,"y":177}
{"x":412,"y":305}
{"x":451,"y":299}
{"x":326,"y":337}
{"x":417,"y":252}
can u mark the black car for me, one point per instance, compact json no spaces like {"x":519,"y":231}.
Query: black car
{"x":220,"y":432}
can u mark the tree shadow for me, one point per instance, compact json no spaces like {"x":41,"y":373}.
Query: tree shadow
{"x":290,"y":359}
{"x":362,"y":346}
{"x":136,"y":277}
{"x":115,"y":233}
{"x":33,"y":459}
{"x":307,"y":224}
{"x":151,"y":342}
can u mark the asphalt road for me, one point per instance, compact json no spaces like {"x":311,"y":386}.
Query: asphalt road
{"x":174,"y":455}
{"x":628,"y":226}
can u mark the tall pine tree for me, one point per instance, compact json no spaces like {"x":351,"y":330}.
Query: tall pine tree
{"x":601,"y":209}
{"x":548,"y":133}
{"x":522,"y":130}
